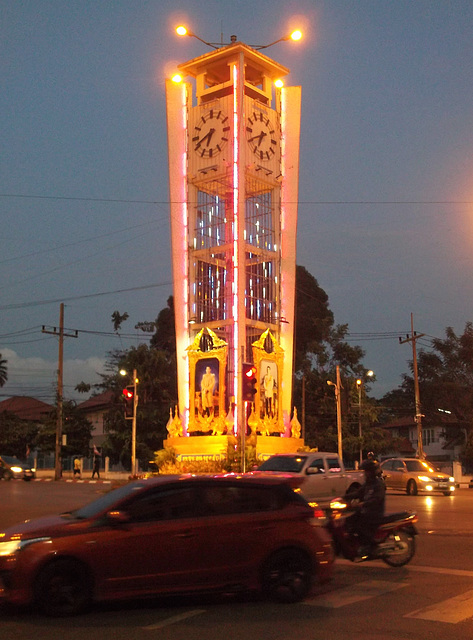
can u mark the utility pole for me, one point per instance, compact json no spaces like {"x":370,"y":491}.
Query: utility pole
{"x":338,"y":398}
{"x":418,"y":416}
{"x":59,"y":332}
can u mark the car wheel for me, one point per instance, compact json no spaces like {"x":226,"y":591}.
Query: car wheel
{"x":411,"y":488}
{"x":287,"y":576}
{"x":63,"y":588}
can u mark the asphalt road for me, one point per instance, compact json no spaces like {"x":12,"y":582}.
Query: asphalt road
{"x":430,"y":598}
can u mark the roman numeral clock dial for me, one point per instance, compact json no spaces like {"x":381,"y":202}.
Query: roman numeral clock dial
{"x":261,"y":136}
{"x":211,"y":133}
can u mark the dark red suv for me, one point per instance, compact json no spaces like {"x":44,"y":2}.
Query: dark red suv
{"x":166,"y":535}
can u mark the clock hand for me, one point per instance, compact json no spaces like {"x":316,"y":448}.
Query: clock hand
{"x":208,"y":137}
{"x":259,"y":137}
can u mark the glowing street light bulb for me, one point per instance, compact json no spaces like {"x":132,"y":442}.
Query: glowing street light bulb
{"x":181,"y":30}
{"x":279,"y":84}
{"x":177,"y":78}
{"x":296,"y":35}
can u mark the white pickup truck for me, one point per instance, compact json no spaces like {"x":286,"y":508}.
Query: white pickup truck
{"x":320,"y":475}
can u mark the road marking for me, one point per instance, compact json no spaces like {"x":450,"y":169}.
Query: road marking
{"x":174,"y":619}
{"x":355,"y":593}
{"x":420,"y":569}
{"x":453,"y":610}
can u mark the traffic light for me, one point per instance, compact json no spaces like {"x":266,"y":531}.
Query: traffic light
{"x":129,"y":398}
{"x":248,"y":382}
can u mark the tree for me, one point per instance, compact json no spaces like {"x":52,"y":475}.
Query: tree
{"x":76,"y":427}
{"x":16,"y":435}
{"x":3,"y":371}
{"x":320,"y":346}
{"x":157,"y":392}
{"x":118,"y":319}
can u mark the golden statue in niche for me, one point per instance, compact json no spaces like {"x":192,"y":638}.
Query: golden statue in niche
{"x":207,"y":384}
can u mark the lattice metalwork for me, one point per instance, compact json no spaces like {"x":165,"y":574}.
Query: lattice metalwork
{"x":260,"y":227}
{"x":210,"y":221}
{"x":209,"y":292}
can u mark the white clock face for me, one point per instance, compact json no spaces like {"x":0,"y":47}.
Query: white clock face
{"x":211,"y":133}
{"x":262,"y":136}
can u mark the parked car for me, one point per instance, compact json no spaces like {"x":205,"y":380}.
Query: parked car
{"x":320,"y":476}
{"x":11,"y":467}
{"x":413,"y":475}
{"x":169,"y":534}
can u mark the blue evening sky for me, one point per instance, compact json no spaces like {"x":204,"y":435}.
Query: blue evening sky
{"x":386,"y":180}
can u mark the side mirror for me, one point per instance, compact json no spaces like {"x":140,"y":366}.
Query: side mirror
{"x":312,"y":471}
{"x":118,"y":517}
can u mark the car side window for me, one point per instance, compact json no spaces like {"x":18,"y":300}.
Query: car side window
{"x":333,"y":465}
{"x":225,"y":500}
{"x":398,"y":465}
{"x":171,"y":504}
{"x":317,"y":464}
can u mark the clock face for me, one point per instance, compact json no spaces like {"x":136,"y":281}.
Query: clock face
{"x":211,"y":133}
{"x":262,"y":136}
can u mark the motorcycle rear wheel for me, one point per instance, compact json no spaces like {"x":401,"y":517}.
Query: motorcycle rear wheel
{"x":405,"y":548}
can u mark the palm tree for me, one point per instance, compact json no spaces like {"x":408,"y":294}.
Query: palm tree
{"x":3,"y":371}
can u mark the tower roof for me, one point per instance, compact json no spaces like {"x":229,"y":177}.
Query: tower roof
{"x":217,"y":61}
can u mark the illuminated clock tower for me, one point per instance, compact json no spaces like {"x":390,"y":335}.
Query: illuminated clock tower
{"x":233,"y":138}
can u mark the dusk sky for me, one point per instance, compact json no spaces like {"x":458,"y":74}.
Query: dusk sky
{"x":386,"y":168}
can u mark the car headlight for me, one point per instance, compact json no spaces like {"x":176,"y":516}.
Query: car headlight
{"x":424,"y":479}
{"x":451,"y":479}
{"x":16,"y":469}
{"x":10,"y":547}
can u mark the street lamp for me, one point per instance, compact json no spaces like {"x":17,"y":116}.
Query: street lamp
{"x":338,"y":399}
{"x":182,"y":30}
{"x":123,"y":372}
{"x":359,"y":384}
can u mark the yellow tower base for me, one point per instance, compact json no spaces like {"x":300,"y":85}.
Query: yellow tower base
{"x":215,"y":447}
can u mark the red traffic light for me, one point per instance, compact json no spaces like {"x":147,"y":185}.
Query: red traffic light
{"x":129,"y":398}
{"x":248,"y":382}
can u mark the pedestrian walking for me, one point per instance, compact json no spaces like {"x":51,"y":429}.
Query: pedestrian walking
{"x":96,"y":469}
{"x":76,"y":467}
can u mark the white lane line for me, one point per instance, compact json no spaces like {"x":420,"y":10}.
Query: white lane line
{"x":420,"y":569}
{"x":354,"y":593}
{"x":174,"y":619}
{"x":453,"y":610}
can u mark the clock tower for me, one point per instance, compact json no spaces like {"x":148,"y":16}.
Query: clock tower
{"x":233,"y":139}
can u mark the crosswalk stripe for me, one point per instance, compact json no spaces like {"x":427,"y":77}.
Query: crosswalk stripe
{"x":354,"y":593}
{"x":452,"y":610}
{"x":172,"y":620}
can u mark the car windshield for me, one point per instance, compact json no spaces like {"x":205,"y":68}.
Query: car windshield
{"x":104,"y":502}
{"x":11,"y":460}
{"x":418,"y":465}
{"x":286,"y":464}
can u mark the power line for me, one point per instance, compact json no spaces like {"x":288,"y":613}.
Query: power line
{"x":167,"y":202}
{"x":37,"y":303}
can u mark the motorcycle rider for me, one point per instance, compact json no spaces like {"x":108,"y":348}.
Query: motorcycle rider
{"x":370,"y":509}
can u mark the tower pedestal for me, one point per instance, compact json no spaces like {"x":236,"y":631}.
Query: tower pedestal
{"x":215,"y":447}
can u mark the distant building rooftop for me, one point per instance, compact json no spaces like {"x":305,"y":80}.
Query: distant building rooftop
{"x":26,"y":408}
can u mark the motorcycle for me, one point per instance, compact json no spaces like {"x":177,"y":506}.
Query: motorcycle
{"x":394,"y":538}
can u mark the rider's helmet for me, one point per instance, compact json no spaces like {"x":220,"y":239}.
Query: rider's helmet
{"x":370,"y":466}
